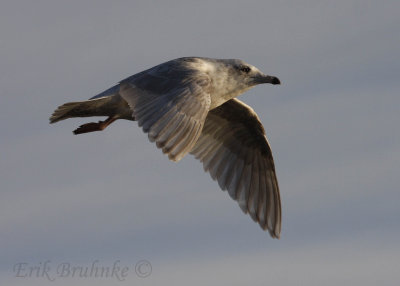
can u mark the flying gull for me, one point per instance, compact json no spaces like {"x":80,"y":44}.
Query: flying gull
{"x":189,"y":105}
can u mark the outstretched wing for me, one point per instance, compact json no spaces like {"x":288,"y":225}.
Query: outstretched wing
{"x":170,"y":105}
{"x":234,"y":149}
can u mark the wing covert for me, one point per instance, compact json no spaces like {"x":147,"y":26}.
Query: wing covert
{"x":171,"y":111}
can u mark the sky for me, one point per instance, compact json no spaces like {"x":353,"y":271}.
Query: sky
{"x":112,"y":198}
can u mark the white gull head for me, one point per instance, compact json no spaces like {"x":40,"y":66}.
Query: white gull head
{"x":229,"y":77}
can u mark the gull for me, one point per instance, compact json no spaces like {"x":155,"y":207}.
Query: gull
{"x":189,"y":105}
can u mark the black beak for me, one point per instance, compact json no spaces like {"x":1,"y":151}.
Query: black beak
{"x":263,"y":78}
{"x":269,"y":79}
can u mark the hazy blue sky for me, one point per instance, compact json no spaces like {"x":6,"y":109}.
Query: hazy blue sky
{"x":333,"y":125}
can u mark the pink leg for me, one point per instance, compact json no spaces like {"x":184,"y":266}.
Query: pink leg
{"x":93,"y":126}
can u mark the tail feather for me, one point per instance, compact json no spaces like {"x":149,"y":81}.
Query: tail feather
{"x":114,"y":107}
{"x":104,"y":106}
{"x":63,"y":111}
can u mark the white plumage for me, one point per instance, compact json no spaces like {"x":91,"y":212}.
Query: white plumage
{"x":188,"y":105}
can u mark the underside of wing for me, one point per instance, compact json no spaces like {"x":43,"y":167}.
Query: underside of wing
{"x":234,"y":149}
{"x":173,"y":115}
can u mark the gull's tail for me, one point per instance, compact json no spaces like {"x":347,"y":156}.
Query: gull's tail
{"x":114,"y":107}
{"x":69,"y":110}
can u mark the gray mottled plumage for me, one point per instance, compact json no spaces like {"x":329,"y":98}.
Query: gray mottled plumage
{"x":188,"y":105}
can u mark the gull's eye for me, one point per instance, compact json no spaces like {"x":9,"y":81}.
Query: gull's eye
{"x":245,"y":69}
